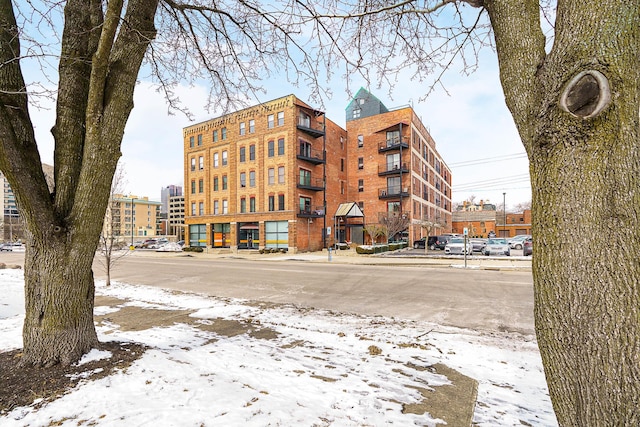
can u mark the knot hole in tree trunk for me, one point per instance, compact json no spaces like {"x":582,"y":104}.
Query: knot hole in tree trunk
{"x":586,"y":95}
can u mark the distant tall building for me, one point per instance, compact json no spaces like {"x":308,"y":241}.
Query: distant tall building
{"x":12,"y":228}
{"x":11,"y":223}
{"x":176,"y":216}
{"x":166,"y":193}
{"x":131,"y":217}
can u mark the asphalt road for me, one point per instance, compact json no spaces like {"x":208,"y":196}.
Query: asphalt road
{"x":483,"y":300}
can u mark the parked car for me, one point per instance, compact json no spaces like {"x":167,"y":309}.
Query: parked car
{"x":516,"y":242}
{"x":527,"y":246}
{"x":148,"y":243}
{"x":440,"y":242}
{"x":12,"y":246}
{"x":478,"y":244}
{"x":497,"y":246}
{"x":421,"y":242}
{"x":457,"y":246}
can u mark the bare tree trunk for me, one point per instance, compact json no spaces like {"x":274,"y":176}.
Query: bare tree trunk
{"x":582,"y":143}
{"x":59,"y":293}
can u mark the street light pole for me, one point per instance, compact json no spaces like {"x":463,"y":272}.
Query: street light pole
{"x":504,"y":211}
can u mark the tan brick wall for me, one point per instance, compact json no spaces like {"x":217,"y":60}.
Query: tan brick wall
{"x":299,"y":228}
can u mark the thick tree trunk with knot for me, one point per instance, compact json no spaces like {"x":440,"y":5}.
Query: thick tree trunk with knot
{"x":576,"y":109}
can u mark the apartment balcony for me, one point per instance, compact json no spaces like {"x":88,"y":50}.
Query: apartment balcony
{"x":392,"y":145}
{"x":311,"y":155}
{"x":392,"y":168}
{"x":394,"y":192}
{"x":314,"y":129}
{"x":318,"y":212}
{"x":313,"y":184}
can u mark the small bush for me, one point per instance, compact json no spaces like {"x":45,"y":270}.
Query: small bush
{"x":193,"y":249}
{"x":364,"y":250}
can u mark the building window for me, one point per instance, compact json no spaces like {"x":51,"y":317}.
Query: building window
{"x":271,"y":175}
{"x":243,"y":179}
{"x":201,"y":208}
{"x":393,"y":207}
{"x":360,"y":185}
{"x":270,"y":122}
{"x":356,"y":113}
{"x":304,"y":119}
{"x":201,"y":163}
{"x":193,"y":186}
{"x":252,"y":152}
{"x":193,"y":164}
{"x":360,"y":141}
{"x":280,"y":202}
{"x":243,"y":205}
{"x":272,"y":203}
{"x":341,"y":165}
{"x":215,"y":183}
{"x":305,"y":205}
{"x":223,"y":132}
{"x":252,"y":204}
{"x":224,"y":182}
{"x":280,"y":146}
{"x":193,"y":209}
{"x":305,"y":148}
{"x":216,"y":207}
{"x":199,"y":139}
{"x":216,"y":160}
{"x":225,"y":158}
{"x":281,"y":118}
{"x":252,"y":126}
{"x":305,"y":177}
{"x":201,"y":186}
{"x":191,"y":142}
{"x":281,"y":175}
{"x":393,"y":138}
{"x":270,"y":149}
{"x":225,"y":207}
{"x":360,"y":162}
{"x":252,"y":178}
{"x":243,"y":128}
{"x":215,"y":135}
{"x":243,"y":154}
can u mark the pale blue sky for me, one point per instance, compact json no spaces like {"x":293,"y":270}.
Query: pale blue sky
{"x":469,"y":122}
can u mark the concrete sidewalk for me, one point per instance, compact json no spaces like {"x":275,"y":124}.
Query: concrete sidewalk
{"x":396,"y":258}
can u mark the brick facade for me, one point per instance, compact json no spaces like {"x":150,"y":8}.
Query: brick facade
{"x":394,"y":167}
{"x":256,"y":178}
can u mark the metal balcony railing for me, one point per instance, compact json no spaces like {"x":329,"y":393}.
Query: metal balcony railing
{"x":391,"y":168}
{"x":310,"y":183}
{"x":310,"y":154}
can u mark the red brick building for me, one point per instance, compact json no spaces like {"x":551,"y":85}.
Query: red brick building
{"x":394,"y":167}
{"x":256,"y":178}
{"x":274,"y":175}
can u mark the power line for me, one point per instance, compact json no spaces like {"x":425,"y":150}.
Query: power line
{"x":493,"y":183}
{"x":486,"y":160}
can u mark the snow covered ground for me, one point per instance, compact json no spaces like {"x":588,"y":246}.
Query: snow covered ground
{"x":240,"y":363}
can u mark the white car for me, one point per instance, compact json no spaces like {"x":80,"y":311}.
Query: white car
{"x":12,"y":247}
{"x":456,"y":246}
{"x":497,"y":246}
{"x":516,"y":242}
